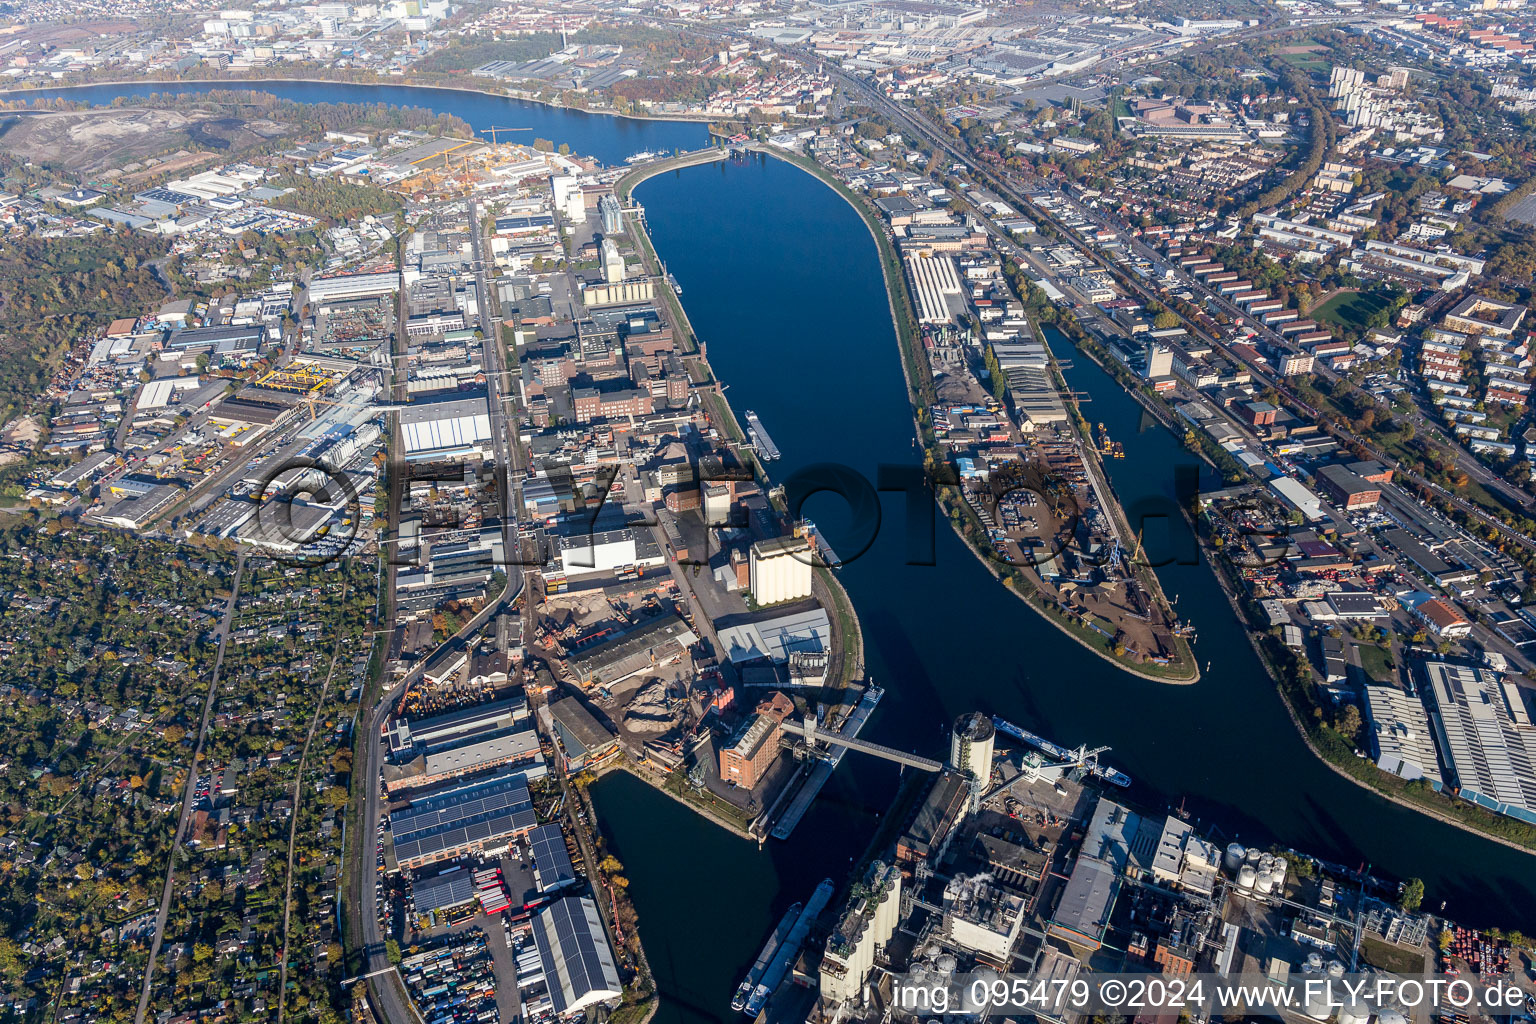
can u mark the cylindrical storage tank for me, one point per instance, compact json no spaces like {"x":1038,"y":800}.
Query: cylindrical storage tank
{"x":1317,"y":1004}
{"x":1391,"y":1016}
{"x":1354,"y":1013}
{"x":1265,"y":884}
{"x":1266,"y":863}
{"x":946,"y":964}
{"x":1246,"y":877}
{"x":1234,"y":858}
{"x":1254,"y":856}
{"x":1335,"y":969}
{"x":1315,"y":962}
{"x":984,"y":977}
{"x":1281,"y":867}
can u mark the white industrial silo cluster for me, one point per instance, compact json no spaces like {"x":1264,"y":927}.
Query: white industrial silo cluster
{"x":1255,"y":872}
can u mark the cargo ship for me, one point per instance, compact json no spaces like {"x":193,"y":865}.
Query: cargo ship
{"x":765,"y":958}
{"x":789,"y":951}
{"x":827,"y":764}
{"x":760,"y":439}
{"x":1062,"y":753}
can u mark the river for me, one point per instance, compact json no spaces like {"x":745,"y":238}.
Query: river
{"x":781,"y":280}
{"x":609,"y":139}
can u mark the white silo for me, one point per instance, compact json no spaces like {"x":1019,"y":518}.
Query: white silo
{"x":1234,"y":858}
{"x":970,"y":746}
{"x":1281,"y":867}
{"x":1246,"y":877}
{"x":1254,"y":856}
{"x":1314,"y":963}
{"x":1265,"y":883}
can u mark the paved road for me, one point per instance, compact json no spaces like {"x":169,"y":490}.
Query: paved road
{"x":189,"y":797}
{"x":389,"y":996}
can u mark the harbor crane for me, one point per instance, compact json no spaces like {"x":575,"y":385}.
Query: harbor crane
{"x":1036,"y":766}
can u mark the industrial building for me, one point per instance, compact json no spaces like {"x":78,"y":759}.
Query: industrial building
{"x":452,"y":889}
{"x":983,"y":917}
{"x":1026,"y":367}
{"x":456,"y":426}
{"x":552,"y":867}
{"x":1298,"y":497}
{"x":971,"y":743}
{"x":612,"y":262}
{"x":597,"y":552}
{"x":1486,"y":737}
{"x":929,"y":832}
{"x":338,"y":287}
{"x":1116,"y":837}
{"x":1346,"y":488}
{"x":780,"y":570}
{"x":751,"y":751}
{"x":659,"y":641}
{"x":407,"y":739}
{"x":579,"y":969}
{"x":1401,"y":735}
{"x":867,"y":924}
{"x":520,"y":748}
{"x":582,"y":739}
{"x":936,"y":285}
{"x":483,"y":817}
{"x":778,"y":637}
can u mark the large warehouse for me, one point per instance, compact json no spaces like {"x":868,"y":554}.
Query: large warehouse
{"x":323,"y":290}
{"x":479,"y":818}
{"x":937,"y":285}
{"x":1486,"y":736}
{"x":455,"y":427}
{"x":777,"y":637}
{"x":427,"y":735}
{"x":552,"y":867}
{"x":579,"y":970}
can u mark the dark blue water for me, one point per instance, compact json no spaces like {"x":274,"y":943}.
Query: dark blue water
{"x":782,"y":282}
{"x":609,"y":139}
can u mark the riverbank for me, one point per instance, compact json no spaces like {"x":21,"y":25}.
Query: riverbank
{"x":847,"y":639}
{"x":1365,"y":773}
{"x":920,"y":394}
{"x":1341,"y":761}
{"x":413,"y":82}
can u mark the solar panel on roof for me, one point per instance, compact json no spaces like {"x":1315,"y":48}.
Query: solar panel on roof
{"x":551,"y":858}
